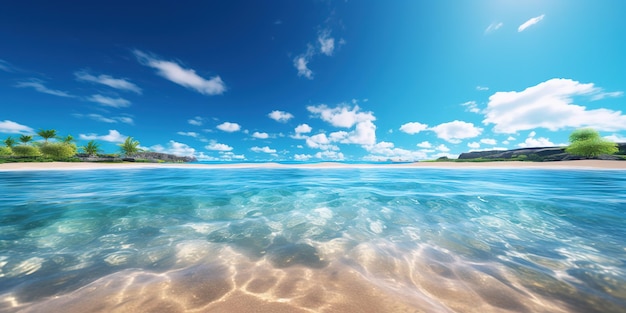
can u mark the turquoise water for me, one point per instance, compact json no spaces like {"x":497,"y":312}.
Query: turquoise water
{"x":313,"y":240}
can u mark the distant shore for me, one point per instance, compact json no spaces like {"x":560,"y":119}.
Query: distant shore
{"x":580,"y":164}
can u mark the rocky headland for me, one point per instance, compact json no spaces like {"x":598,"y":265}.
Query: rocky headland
{"x":538,"y":154}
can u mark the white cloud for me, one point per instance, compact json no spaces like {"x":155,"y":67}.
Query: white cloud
{"x":303,"y":129}
{"x":280,"y":116}
{"x":5,"y":66}
{"x":536,"y":142}
{"x":530,"y":22}
{"x":493,"y":27}
{"x":327,"y":43}
{"x":10,"y":127}
{"x":488,"y":141}
{"x":113,"y":136}
{"x":456,"y":130}
{"x":104,"y":119}
{"x":473,"y":145}
{"x":215,"y":146}
{"x":615,"y":138}
{"x":117,"y":83}
{"x":510,"y":138}
{"x":189,"y":134}
{"x":443,"y":148}
{"x":413,"y":128}
{"x":320,"y":141}
{"x":229,"y":156}
{"x":602,"y":95}
{"x":196,"y":121}
{"x":330,"y":155}
{"x":302,"y":157}
{"x":341,"y":116}
{"x":260,"y":135}
{"x":265,"y":149}
{"x":39,"y":86}
{"x":482,"y":88}
{"x":425,"y":145}
{"x":549,"y":105}
{"x":110,"y":102}
{"x":364,"y":134}
{"x":301,"y":62}
{"x":175,"y":148}
{"x":384,"y":151}
{"x":188,"y":78}
{"x":471,"y":106}
{"x":229,"y":127}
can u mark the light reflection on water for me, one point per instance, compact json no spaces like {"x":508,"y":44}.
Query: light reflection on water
{"x":311,"y":239}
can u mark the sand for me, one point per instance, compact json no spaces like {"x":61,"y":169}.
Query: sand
{"x":582,"y":164}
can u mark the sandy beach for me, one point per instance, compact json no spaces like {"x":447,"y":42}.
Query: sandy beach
{"x":582,"y":164}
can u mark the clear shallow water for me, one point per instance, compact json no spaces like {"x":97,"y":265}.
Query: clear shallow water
{"x":298,"y":240}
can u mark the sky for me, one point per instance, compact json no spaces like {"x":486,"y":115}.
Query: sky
{"x":287,"y":80}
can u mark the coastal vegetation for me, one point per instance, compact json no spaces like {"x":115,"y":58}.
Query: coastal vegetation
{"x":587,"y":142}
{"x":51,"y":147}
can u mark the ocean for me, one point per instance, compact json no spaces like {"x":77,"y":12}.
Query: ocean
{"x":313,"y":240}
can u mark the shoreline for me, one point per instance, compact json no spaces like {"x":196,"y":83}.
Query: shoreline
{"x":560,"y":165}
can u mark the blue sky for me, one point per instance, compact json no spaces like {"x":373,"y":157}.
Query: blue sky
{"x":314,"y":80}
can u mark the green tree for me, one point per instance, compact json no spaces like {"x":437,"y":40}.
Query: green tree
{"x":5,"y":151}
{"x":130,"y":146}
{"x":10,"y":142}
{"x":58,"y":151}
{"x":91,"y":148}
{"x":47,"y":134}
{"x":68,"y":139}
{"x":26,"y":151}
{"x":26,"y":139}
{"x":588,"y":143}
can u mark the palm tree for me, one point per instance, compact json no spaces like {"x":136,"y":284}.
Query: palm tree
{"x":68,"y":139}
{"x":25,"y":139}
{"x":91,"y":148}
{"x":10,"y":142}
{"x":47,"y":134}
{"x":130,"y":146}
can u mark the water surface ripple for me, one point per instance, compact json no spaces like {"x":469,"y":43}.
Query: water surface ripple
{"x":313,"y":240}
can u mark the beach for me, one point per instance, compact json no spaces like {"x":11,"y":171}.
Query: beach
{"x":580,"y":164}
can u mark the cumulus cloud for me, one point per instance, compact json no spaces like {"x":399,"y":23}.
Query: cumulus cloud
{"x":320,"y":141}
{"x":330,"y":155}
{"x":493,"y":27}
{"x":327,"y":43}
{"x":187,"y":78}
{"x":216,"y":146}
{"x":175,"y":148}
{"x":549,"y":105}
{"x":443,"y":148}
{"x":301,"y":63}
{"x":489,"y":141}
{"x":229,"y":127}
{"x":117,"y":83}
{"x":109,"y":102}
{"x":196,"y":121}
{"x":341,"y":116}
{"x":40,"y":87}
{"x":113,"y":136}
{"x":531,"y":141}
{"x":530,"y":22}
{"x":280,"y":116}
{"x":303,"y":129}
{"x":456,"y":130}
{"x":615,"y":138}
{"x":473,"y":145}
{"x":424,"y":145}
{"x":265,"y":149}
{"x":384,"y":151}
{"x":10,"y":127}
{"x":260,"y":135}
{"x":302,"y":157}
{"x":413,"y":128}
{"x":229,"y":156}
